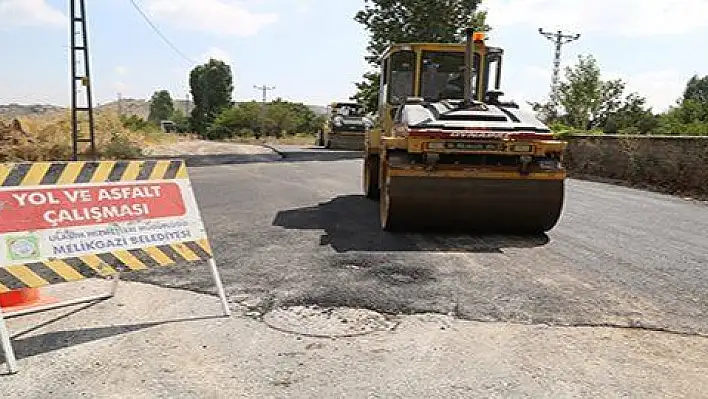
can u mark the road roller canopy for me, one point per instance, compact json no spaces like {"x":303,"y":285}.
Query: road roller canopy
{"x":347,"y":109}
{"x":435,"y":71}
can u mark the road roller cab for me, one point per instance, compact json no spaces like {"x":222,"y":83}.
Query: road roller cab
{"x":345,"y":126}
{"x":446,"y":152}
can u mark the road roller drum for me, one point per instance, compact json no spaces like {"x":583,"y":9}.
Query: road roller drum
{"x":471,"y":205}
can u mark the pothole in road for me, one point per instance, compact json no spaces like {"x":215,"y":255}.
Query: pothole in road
{"x":320,"y":322}
{"x":353,"y":263}
{"x":393,"y":273}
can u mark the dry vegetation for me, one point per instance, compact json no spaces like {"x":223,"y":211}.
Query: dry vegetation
{"x":45,"y":138}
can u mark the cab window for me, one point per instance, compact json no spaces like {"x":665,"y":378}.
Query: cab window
{"x":402,"y":77}
{"x":442,"y":75}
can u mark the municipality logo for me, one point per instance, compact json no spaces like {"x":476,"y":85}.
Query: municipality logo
{"x":23,"y":248}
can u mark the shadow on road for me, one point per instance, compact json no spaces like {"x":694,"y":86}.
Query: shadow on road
{"x":220,"y":159}
{"x":53,"y":341}
{"x":322,"y":155}
{"x":351,"y":223}
{"x":293,"y":155}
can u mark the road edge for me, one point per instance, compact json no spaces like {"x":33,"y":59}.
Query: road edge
{"x":274,"y":149}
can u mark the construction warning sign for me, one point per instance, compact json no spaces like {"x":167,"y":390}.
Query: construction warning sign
{"x":65,"y":221}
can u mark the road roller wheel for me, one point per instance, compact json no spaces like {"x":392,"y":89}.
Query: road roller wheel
{"x":390,"y":214}
{"x":385,"y":208}
{"x":371,"y":177}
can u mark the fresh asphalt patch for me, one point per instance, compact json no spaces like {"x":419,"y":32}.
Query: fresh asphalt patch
{"x":299,"y":232}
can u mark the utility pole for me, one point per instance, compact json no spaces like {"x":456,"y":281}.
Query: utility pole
{"x":120,"y":104}
{"x":265,"y":89}
{"x":559,"y":39}
{"x":80,"y":32}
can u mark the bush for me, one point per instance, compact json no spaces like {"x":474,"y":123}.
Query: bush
{"x":277,"y":119}
{"x":217,"y":132}
{"x":135,"y":123}
{"x":120,"y":147}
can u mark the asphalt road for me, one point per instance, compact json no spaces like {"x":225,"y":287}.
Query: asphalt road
{"x":299,"y":231}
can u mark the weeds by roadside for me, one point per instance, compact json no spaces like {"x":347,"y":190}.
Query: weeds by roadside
{"x":49,"y":138}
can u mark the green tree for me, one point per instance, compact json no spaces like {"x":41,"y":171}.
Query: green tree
{"x":586,"y":99}
{"x":697,"y":90}
{"x":589,"y":102}
{"x":633,"y":117}
{"x":690,"y":115}
{"x":306,"y":121}
{"x":279,"y":117}
{"x":161,"y":106}
{"x":211,"y":85}
{"x":401,"y":21}
{"x":689,"y":118}
{"x":240,"y":120}
{"x":368,"y":91}
{"x":181,"y":121}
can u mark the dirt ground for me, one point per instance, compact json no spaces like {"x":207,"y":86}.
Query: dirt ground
{"x":158,"y":342}
{"x":203,"y":147}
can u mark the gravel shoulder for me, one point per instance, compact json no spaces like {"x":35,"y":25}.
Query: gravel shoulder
{"x":159,"y":342}
{"x":205,"y":147}
{"x":209,"y":153}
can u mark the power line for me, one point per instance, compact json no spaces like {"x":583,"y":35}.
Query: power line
{"x":181,"y":54}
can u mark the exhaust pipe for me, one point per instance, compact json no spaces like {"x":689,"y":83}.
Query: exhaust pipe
{"x":469,"y":64}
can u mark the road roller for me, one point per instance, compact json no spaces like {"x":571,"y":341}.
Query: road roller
{"x":447,"y":153}
{"x":345,"y":127}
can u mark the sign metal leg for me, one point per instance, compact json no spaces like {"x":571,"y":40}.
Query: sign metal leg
{"x":7,"y":346}
{"x":219,"y":286}
{"x":114,"y":286}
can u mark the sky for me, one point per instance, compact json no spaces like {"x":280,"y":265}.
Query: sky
{"x":312,"y":51}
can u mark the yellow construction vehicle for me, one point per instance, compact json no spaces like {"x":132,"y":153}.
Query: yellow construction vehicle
{"x":345,"y":126}
{"x":447,"y":153}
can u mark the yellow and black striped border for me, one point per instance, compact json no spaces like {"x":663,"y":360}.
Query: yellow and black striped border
{"x":79,"y":172}
{"x":57,"y":271}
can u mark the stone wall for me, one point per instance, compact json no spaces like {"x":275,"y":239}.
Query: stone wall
{"x":671,"y":164}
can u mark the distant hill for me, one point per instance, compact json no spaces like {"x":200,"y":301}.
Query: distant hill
{"x":128,"y":106}
{"x":141,"y":108}
{"x":10,"y":111}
